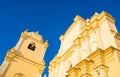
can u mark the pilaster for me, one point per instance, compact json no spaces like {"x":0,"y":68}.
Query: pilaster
{"x":99,"y":39}
{"x":102,"y":70}
{"x":77,"y":48}
{"x":84,"y":65}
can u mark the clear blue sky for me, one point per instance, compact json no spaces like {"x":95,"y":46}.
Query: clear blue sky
{"x":50,"y":17}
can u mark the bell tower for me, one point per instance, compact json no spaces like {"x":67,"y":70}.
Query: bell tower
{"x":26,"y":58}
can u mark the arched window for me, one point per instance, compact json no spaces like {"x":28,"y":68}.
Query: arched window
{"x":19,"y":75}
{"x":31,"y":46}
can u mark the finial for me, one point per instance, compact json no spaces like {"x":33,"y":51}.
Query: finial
{"x":26,"y":30}
{"x":46,"y":44}
{"x":37,"y":32}
{"x":12,"y":50}
{"x":87,"y":19}
{"x":61,"y":37}
{"x":96,"y":13}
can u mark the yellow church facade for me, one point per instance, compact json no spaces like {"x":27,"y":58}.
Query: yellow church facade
{"x":89,"y":48}
{"x":26,"y":58}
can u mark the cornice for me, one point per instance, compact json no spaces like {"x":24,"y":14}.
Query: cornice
{"x":77,"y":19}
{"x":105,"y":14}
{"x":110,"y":49}
{"x":63,"y":56}
{"x":100,"y":66}
{"x":86,"y":75}
{"x":45,"y":44}
{"x":27,"y":34}
{"x":73,"y":69}
{"x":40,"y":64}
{"x":83,"y":62}
{"x":101,"y":52}
{"x":77,"y":41}
{"x":117,"y":36}
{"x":87,"y":28}
{"x":69,"y":29}
{"x":95,"y":53}
{"x":68,"y":53}
{"x":54,"y":63}
{"x":92,"y":23}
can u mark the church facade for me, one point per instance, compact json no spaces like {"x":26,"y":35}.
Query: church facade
{"x":89,"y":48}
{"x":26,"y":58}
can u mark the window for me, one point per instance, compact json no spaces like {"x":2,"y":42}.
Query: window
{"x":31,"y":46}
{"x":19,"y":75}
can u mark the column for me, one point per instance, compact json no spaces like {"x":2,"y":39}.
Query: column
{"x":50,"y":71}
{"x":61,"y":70}
{"x":88,"y":43}
{"x":53,"y":70}
{"x":77,"y":54}
{"x":77,"y":49}
{"x":99,"y":39}
{"x":57,"y":70}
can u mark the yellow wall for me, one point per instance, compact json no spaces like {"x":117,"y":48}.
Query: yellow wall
{"x":22,"y":60}
{"x":84,"y":49}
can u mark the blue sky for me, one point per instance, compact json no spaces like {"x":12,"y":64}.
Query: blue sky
{"x":50,"y":17}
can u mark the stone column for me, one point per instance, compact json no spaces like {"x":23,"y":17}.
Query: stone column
{"x":77,"y":52}
{"x":51,"y":70}
{"x":57,"y":69}
{"x":61,"y":69}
